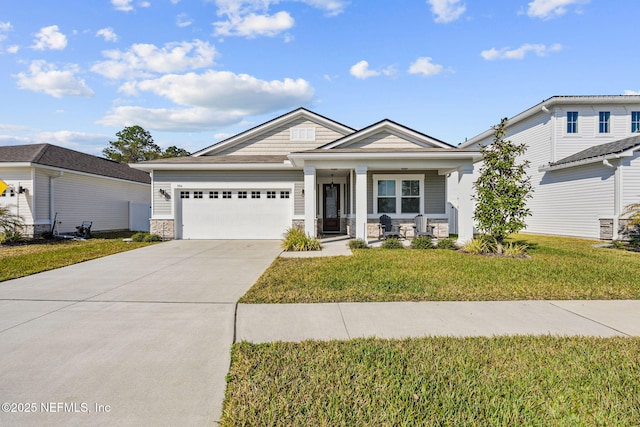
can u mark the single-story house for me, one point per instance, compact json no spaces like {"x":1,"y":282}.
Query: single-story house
{"x":584,"y":154}
{"x":48,"y":183}
{"x":303,"y":169}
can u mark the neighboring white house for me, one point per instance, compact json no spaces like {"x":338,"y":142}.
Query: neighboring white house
{"x":46,"y":182}
{"x":584,"y":154}
{"x":307,"y":170}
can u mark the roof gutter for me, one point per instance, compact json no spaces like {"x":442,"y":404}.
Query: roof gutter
{"x":603,"y":159}
{"x":208,"y":166}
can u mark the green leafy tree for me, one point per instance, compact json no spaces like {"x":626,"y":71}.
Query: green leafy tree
{"x":503,"y":187}
{"x":134,"y":144}
{"x":174,"y":151}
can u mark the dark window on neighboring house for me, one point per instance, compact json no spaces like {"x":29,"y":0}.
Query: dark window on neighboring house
{"x":635,"y":121}
{"x":572,"y":122}
{"x":604,"y":121}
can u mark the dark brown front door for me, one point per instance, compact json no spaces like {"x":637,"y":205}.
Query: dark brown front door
{"x":331,"y":211}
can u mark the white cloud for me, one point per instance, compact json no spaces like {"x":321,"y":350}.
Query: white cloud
{"x":547,"y":9}
{"x":5,"y":27}
{"x":183,"y":20}
{"x":251,"y":18}
{"x":519,"y":53}
{"x":361,"y":71}
{"x":108,"y":34}
{"x":50,"y":38}
{"x":631,"y":92}
{"x":253,"y":25}
{"x":143,"y":60}
{"x":122,"y":5}
{"x":13,"y":49}
{"x":446,"y":10}
{"x":210,"y":100}
{"x":46,"y":78}
{"x":425,"y":67}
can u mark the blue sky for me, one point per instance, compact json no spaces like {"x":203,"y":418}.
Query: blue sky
{"x":193,"y":72}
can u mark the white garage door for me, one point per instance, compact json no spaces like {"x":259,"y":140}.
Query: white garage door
{"x":235,"y":214}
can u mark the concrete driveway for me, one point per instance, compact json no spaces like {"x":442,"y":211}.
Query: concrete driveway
{"x":137,"y":338}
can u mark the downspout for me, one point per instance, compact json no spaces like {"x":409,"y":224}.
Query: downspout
{"x":52,"y":208}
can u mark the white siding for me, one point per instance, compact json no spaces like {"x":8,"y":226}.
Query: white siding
{"x":631,"y":180}
{"x":277,"y":141}
{"x":41,"y":193}
{"x":165,"y":179}
{"x":571,"y":201}
{"x":588,"y":123}
{"x":382,"y":140}
{"x":20,"y":204}
{"x":104,"y":201}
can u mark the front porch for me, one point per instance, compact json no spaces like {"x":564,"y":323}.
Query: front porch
{"x":350,"y":200}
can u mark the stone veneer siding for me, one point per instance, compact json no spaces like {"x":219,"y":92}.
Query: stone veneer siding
{"x":441,"y":227}
{"x":163,"y":227}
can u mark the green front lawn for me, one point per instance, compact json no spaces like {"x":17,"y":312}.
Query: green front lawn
{"x":23,"y":260}
{"x":559,"y":268}
{"x":501,"y":381}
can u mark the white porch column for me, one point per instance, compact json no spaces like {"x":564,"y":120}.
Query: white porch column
{"x":310,"y":200}
{"x":465,"y":203}
{"x":361,"y":202}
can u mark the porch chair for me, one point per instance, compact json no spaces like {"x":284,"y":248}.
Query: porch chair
{"x":421,"y":227}
{"x":387,"y":229}
{"x":84,"y":230}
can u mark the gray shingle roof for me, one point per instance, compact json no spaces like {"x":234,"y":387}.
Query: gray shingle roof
{"x":601,"y":150}
{"x":64,"y":158}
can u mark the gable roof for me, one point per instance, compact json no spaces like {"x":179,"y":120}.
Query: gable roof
{"x":615,"y":149}
{"x":386,"y":125}
{"x":64,"y":158}
{"x":273,"y":123}
{"x":549,"y":103}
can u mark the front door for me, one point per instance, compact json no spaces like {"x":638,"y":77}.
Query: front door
{"x":331,"y":214}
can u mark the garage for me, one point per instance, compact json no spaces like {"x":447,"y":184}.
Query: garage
{"x":234,"y":213}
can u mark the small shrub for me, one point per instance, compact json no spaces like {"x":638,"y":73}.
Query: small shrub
{"x":295,"y":239}
{"x":358,"y":244}
{"x":481,"y":244}
{"x":139,"y":237}
{"x":11,"y":236}
{"x":422,"y":243}
{"x":514,"y":250}
{"x":152,"y":238}
{"x":446,"y":244}
{"x":619,"y":244}
{"x":47,"y":235}
{"x":392,"y":244}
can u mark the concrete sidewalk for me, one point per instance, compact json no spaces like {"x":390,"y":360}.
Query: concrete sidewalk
{"x":297,"y":322}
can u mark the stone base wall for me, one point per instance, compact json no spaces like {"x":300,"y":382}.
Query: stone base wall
{"x":163,"y":227}
{"x":606,"y":229}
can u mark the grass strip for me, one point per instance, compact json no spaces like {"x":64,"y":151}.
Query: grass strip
{"x":19,"y":261}
{"x":444,"y":381}
{"x":559,"y":268}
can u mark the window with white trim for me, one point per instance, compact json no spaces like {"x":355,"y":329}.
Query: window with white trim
{"x":255,"y":194}
{"x":284,"y":194}
{"x":226,"y":194}
{"x":572,"y":122}
{"x":302,"y":134}
{"x":271,"y":194}
{"x":242,"y":194}
{"x":604,"y":117}
{"x":635,"y":121}
{"x":184,"y":194}
{"x":398,"y":194}
{"x":197,"y":194}
{"x":213,"y":194}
